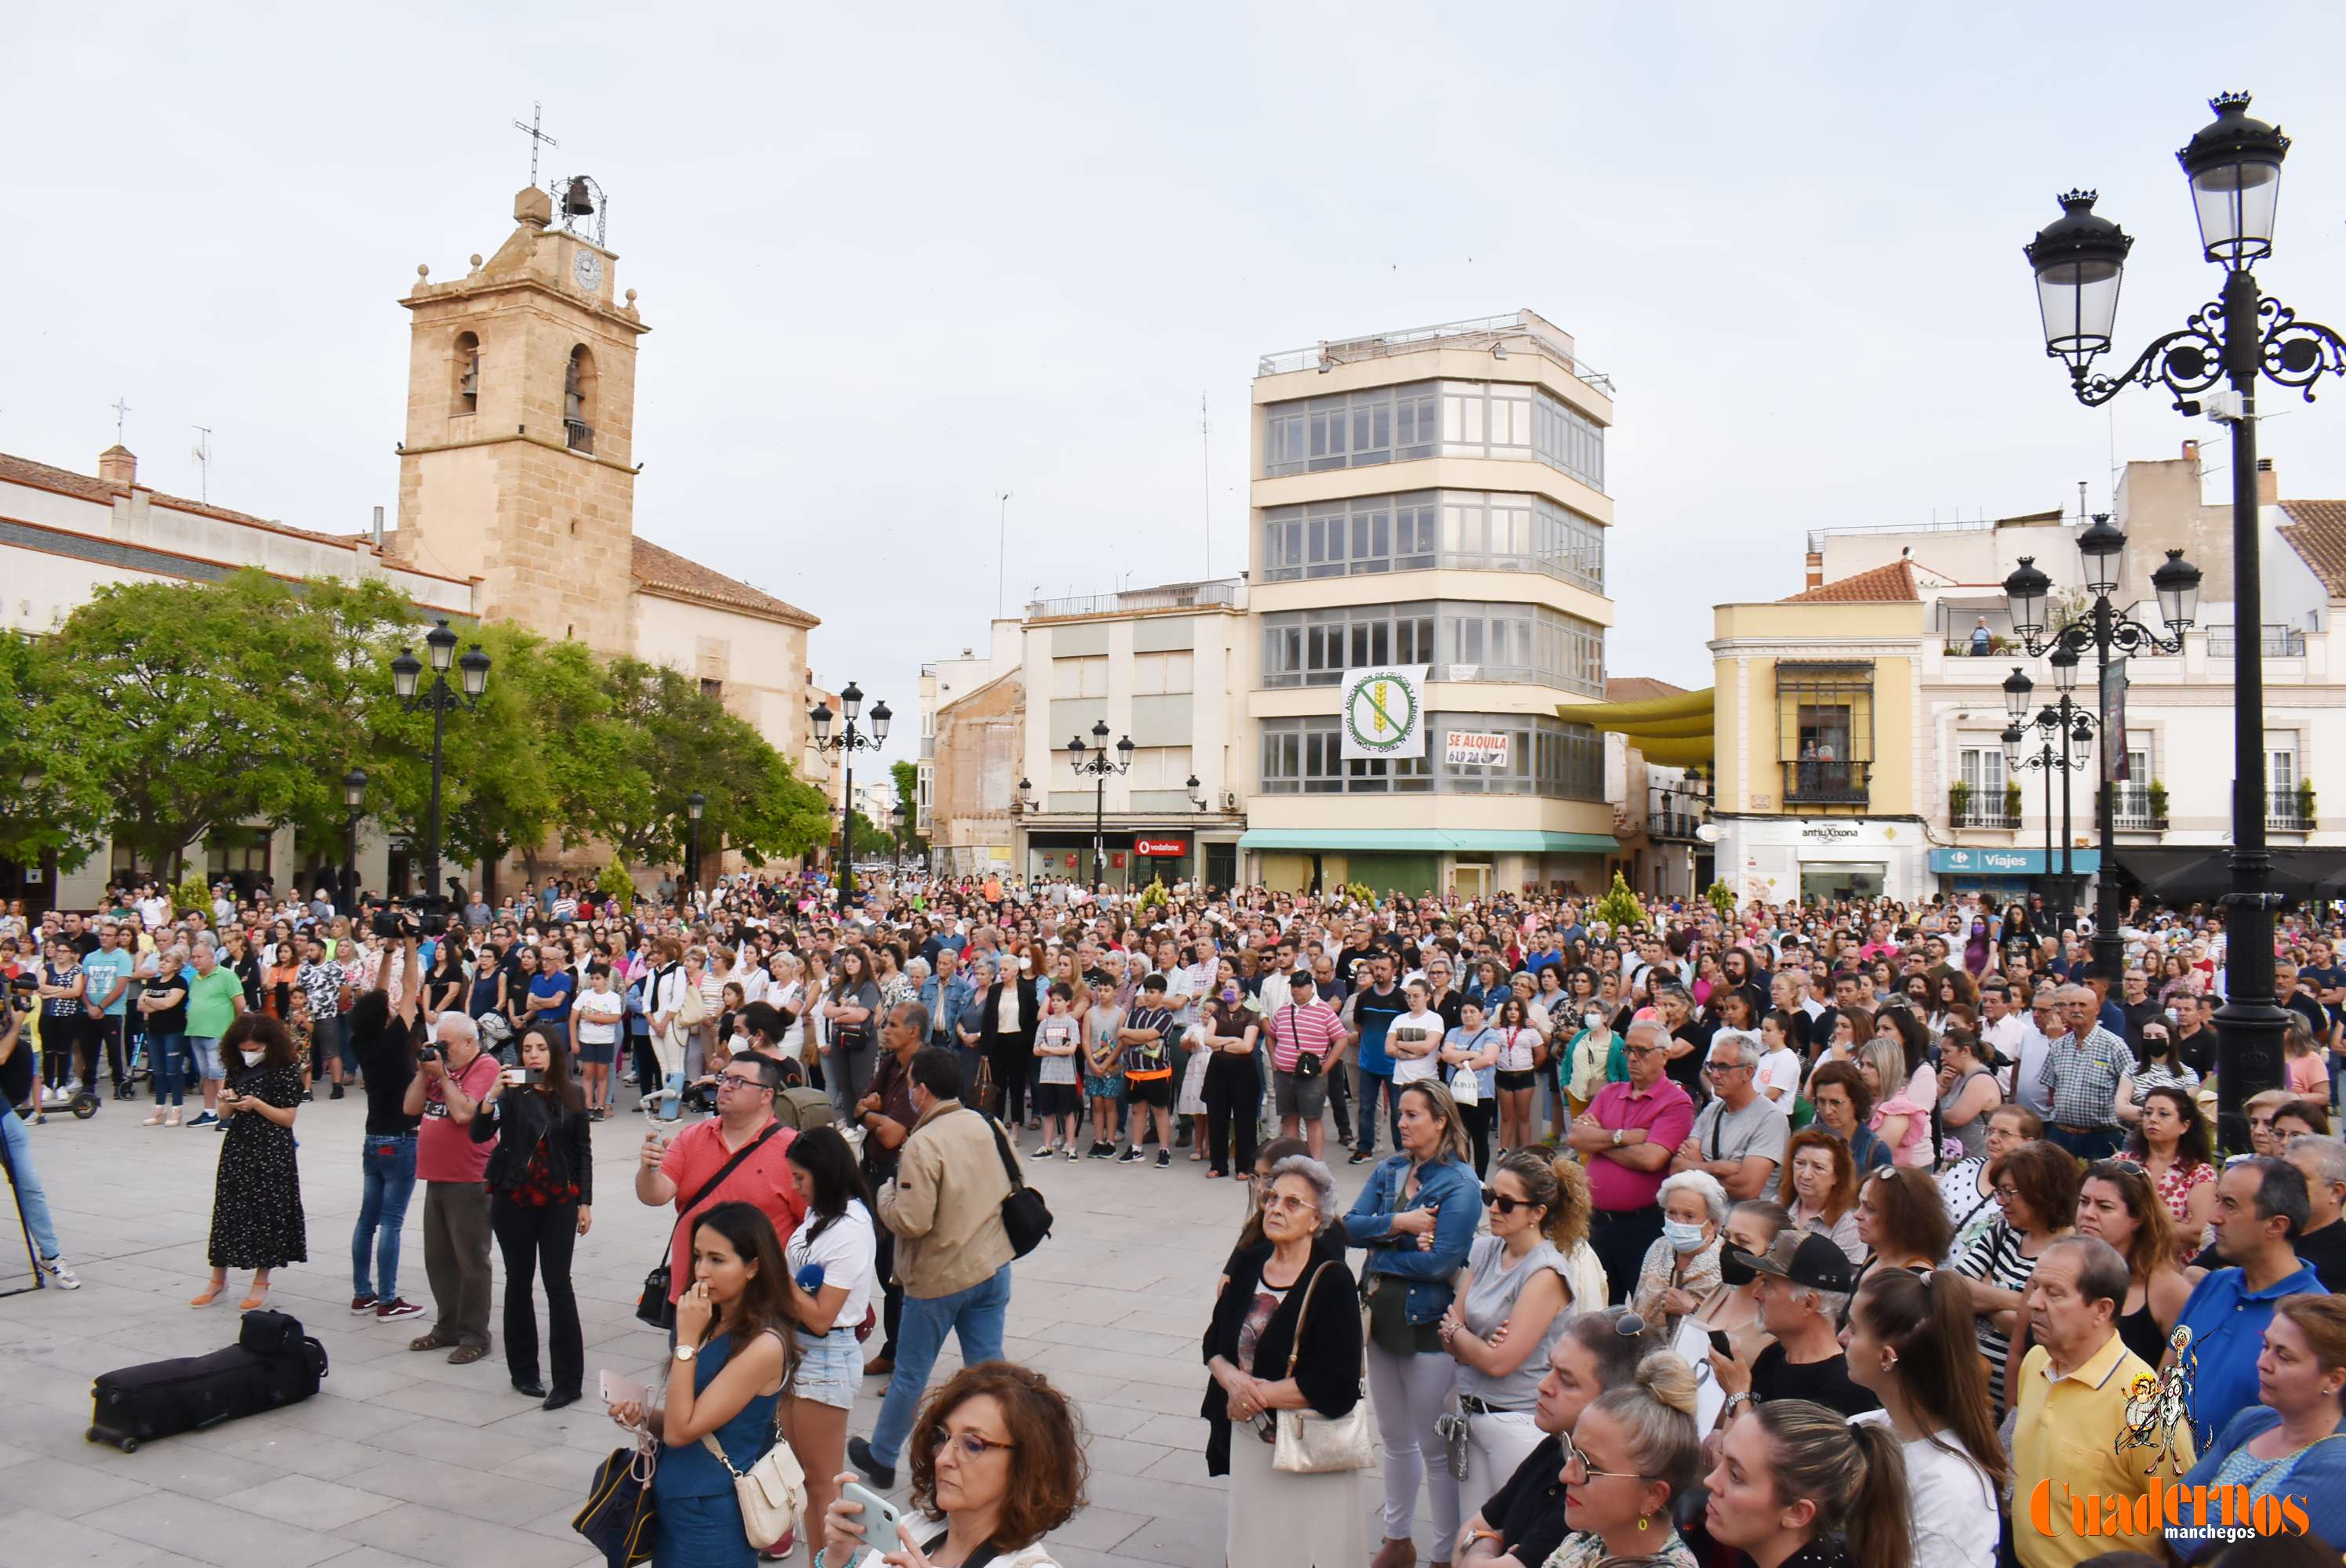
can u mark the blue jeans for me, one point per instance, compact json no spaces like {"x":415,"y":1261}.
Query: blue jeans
{"x":34,"y":1198}
{"x":976,"y":1313}
{"x":163,"y":1052}
{"x":1371,"y":1085}
{"x":389,"y":1164}
{"x":206,"y":1050}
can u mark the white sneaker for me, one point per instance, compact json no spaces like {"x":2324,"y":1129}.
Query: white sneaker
{"x":60,"y":1273}
{"x":73,"y":1088}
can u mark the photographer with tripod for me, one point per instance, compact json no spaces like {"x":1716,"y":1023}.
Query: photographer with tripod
{"x":16,"y":1145}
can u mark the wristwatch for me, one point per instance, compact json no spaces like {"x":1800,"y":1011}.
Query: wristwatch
{"x":1617,"y":1137}
{"x":686,"y":1352}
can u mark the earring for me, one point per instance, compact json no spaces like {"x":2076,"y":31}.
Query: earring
{"x":1643,"y":1520}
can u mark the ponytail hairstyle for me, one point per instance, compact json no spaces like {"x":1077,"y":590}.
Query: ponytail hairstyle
{"x":1852,"y":1473}
{"x":1922,"y":1324}
{"x":1559,"y":1186}
{"x":1657,"y":1409}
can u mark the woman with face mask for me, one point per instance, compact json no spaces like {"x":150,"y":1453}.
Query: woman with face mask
{"x":257,"y":1220}
{"x":1682,"y":1267}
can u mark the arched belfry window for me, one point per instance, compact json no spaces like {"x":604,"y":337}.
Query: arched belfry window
{"x":466,"y":363}
{"x":578,"y":401}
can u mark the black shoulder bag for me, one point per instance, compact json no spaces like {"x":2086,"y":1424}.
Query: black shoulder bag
{"x":1025,"y":1218}
{"x":654,"y":1306}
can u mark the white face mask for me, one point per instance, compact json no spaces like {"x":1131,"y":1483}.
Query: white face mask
{"x":252,"y":1058}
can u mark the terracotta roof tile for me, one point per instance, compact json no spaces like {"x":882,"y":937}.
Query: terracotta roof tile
{"x":666,"y":570}
{"x":1639,"y":689}
{"x":1893,"y":582}
{"x":2316,"y":529}
{"x":87,"y":487}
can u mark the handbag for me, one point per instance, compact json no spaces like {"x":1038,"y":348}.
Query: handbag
{"x":693,"y":1010}
{"x":1025,"y":1218}
{"x":654,"y":1307}
{"x":772,"y":1492}
{"x":1464,"y":1087}
{"x":1310,"y":1443}
{"x":618,"y":1519}
{"x":495,"y":1027}
{"x":1451,"y":1428}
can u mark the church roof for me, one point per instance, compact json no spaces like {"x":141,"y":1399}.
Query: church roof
{"x":2316,"y":529}
{"x":1893,"y":582}
{"x":88,"y":487}
{"x":665,"y":571}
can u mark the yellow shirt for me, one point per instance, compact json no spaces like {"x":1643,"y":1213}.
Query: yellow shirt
{"x":2066,"y":1468}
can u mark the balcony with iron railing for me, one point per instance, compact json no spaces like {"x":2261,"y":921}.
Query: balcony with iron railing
{"x":1136,"y":601}
{"x":1985,"y":814}
{"x":2289,"y":811}
{"x":1816,"y":783}
{"x":2277,"y":642}
{"x":1523,"y":331}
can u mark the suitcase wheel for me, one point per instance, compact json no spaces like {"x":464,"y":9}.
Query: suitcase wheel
{"x":99,"y":1434}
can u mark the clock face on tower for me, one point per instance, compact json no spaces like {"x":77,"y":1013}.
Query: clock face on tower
{"x":587,"y":268}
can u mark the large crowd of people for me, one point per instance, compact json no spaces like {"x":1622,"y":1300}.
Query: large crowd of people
{"x":1866,"y":1233}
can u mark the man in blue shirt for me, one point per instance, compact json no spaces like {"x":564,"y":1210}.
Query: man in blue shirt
{"x":107,"y":1000}
{"x":1373,"y":1014}
{"x":2262,"y":1206}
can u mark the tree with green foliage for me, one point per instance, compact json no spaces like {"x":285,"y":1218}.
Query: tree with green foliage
{"x":1722,"y":899}
{"x":1619,"y":908}
{"x":872,"y":842}
{"x":52,"y":802}
{"x":613,"y":882}
{"x":681,"y":739}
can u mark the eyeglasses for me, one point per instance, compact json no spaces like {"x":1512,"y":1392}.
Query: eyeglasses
{"x":972,"y":1445}
{"x":1641,"y":1051}
{"x":739,"y":1081}
{"x":1573,"y":1456}
{"x":1713,"y":1069}
{"x":1283,"y":1204}
{"x":1494,"y":1198}
{"x":2005,"y":1193}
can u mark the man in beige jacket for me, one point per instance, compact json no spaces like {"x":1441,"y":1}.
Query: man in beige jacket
{"x":953,"y":1256}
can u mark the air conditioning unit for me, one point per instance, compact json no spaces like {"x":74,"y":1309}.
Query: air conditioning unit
{"x":1229,"y":801}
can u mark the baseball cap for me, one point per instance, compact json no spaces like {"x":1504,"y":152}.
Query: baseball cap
{"x":1807,"y":1259}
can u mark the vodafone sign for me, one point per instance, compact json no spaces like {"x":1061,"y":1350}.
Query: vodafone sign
{"x":1160,"y":849}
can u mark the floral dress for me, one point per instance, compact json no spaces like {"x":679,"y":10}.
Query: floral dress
{"x":257,"y":1194}
{"x":1586,"y":1551}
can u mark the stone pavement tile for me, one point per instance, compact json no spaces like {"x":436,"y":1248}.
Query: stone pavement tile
{"x":1186,"y":1430}
{"x":33,"y":1536}
{"x":331,"y":1414}
{"x":1164,"y":1398}
{"x":211,"y":1532}
{"x":1157,"y":1499}
{"x":67,"y":1491}
{"x":472,"y":1407}
{"x":1122,"y":1456}
{"x":1101,"y":1419}
{"x":1185,"y":1465}
{"x":1096,"y":1529}
{"x":376,"y":1557}
{"x":305,"y":1501}
{"x":1195,"y":1541}
{"x":1133,"y":1367}
{"x":1081,"y":1557}
{"x":559,"y":1469}
{"x":482,"y":1493}
{"x":453,"y":1442}
{"x":1124,"y":1336}
{"x":463,"y":1537}
{"x":286,"y":1449}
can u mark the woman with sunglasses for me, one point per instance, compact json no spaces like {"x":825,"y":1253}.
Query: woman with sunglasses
{"x":1286,"y":1335}
{"x":1627,"y":1463}
{"x":1512,"y":1303}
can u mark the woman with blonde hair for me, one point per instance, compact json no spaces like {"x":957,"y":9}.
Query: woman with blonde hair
{"x":1628,"y":1461}
{"x":1512,"y":1301}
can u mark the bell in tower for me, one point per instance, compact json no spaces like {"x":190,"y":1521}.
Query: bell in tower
{"x":577,"y":197}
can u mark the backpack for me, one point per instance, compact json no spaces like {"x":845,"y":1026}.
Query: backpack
{"x":803,"y":1108}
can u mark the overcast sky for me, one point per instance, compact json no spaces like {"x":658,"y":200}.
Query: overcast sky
{"x":899,"y":259}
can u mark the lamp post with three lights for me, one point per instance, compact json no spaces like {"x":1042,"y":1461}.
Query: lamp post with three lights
{"x":849,"y":740}
{"x":407,"y":681}
{"x":1099,"y":768}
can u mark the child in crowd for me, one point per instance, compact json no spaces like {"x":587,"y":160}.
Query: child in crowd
{"x":1058,"y":1037}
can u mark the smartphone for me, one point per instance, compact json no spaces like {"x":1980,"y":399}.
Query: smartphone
{"x":880,"y":1518}
{"x":619,"y":1390}
{"x":1718,"y":1343}
{"x":513,"y":1077}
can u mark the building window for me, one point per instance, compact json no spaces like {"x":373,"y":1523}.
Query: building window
{"x":1163,"y":674}
{"x":1461,"y":640}
{"x":1452,"y":419}
{"x":712,"y":688}
{"x":1468,"y":529}
{"x":2131,"y":804}
{"x":1545,"y":757}
{"x":467,"y":362}
{"x":1079,"y":677}
{"x":578,"y":409}
{"x":2281,"y":778}
{"x":1159,"y":768}
{"x":1825,"y":722}
{"x":1982,"y":772}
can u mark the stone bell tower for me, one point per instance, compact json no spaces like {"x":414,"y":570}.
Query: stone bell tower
{"x":518,"y":465}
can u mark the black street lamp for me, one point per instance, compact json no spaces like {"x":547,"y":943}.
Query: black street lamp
{"x":406,"y":679}
{"x":1098,"y":769}
{"x":2059,"y":722}
{"x":1197,"y":793}
{"x":354,"y":785}
{"x":694,"y":805}
{"x":847,"y":743}
{"x":2234,"y":167}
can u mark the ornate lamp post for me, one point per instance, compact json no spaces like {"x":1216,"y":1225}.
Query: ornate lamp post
{"x":847,"y":743}
{"x":354,"y":785}
{"x":2059,"y":723}
{"x":695,"y":804}
{"x":406,"y":679}
{"x":1098,"y":769}
{"x":2234,"y":167}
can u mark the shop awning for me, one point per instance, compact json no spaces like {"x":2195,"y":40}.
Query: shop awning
{"x":2202,"y":873}
{"x":2001,"y":862}
{"x":1673,"y":732}
{"x":1438,"y":840}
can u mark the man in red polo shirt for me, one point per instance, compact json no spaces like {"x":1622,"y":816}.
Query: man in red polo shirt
{"x":1629,"y":1132}
{"x":674,"y":1172}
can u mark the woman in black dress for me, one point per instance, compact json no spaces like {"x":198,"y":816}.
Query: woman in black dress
{"x":257,"y":1220}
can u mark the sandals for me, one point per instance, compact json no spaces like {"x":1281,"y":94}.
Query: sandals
{"x":209,"y":1294}
{"x":435,"y":1340}
{"x":154,"y":1121}
{"x":253,"y":1302}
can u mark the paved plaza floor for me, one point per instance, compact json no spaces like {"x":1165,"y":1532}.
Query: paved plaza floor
{"x":402,"y":1458}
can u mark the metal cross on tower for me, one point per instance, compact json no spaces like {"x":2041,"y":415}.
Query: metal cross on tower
{"x":121,"y":411}
{"x":536,"y":137}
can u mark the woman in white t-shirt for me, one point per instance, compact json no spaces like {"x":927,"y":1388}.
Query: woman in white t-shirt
{"x":835,"y":1238}
{"x":1779,"y":1078}
{"x":1907,"y":1347}
{"x":1414,"y":1037}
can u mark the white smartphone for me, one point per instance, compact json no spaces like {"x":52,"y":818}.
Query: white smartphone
{"x":619,"y":1390}
{"x":879,"y":1518}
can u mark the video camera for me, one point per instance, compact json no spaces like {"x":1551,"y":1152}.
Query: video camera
{"x":429,"y":917}
{"x":24,"y":991}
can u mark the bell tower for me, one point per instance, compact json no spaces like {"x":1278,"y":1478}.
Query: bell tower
{"x":518,"y":465}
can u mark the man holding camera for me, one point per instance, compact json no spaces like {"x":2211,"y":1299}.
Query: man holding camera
{"x":453,"y":1075}
{"x":382,"y":1035}
{"x":16,"y":1145}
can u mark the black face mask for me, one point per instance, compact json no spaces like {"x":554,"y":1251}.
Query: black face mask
{"x":1735,"y":1266}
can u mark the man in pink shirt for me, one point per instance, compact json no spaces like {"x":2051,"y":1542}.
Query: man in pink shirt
{"x":1628,"y":1133}
{"x":679,"y":1173}
{"x":1304,"y":1026}
{"x":454,"y":1072}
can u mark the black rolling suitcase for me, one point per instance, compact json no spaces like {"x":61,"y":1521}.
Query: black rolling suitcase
{"x":273,"y":1363}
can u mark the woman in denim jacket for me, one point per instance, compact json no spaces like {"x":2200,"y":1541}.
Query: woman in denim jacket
{"x":1416,"y":1219}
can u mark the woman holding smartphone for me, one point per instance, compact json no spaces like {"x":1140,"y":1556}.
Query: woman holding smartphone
{"x":541,"y":1195}
{"x":257,"y":1221}
{"x":831,"y":1260}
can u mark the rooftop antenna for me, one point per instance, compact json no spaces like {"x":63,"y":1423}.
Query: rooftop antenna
{"x":2081,"y":501}
{"x":1206,"y":442}
{"x":203,"y":454}
{"x":535,"y":137}
{"x":1002,"y":566}
{"x":121,"y":411}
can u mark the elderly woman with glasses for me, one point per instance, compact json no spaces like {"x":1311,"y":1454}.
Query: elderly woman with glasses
{"x":1285,"y":1335}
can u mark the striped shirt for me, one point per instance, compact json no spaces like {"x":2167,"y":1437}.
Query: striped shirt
{"x":2083,"y":1077}
{"x":1313,"y":1027}
{"x":1995,"y":1258}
